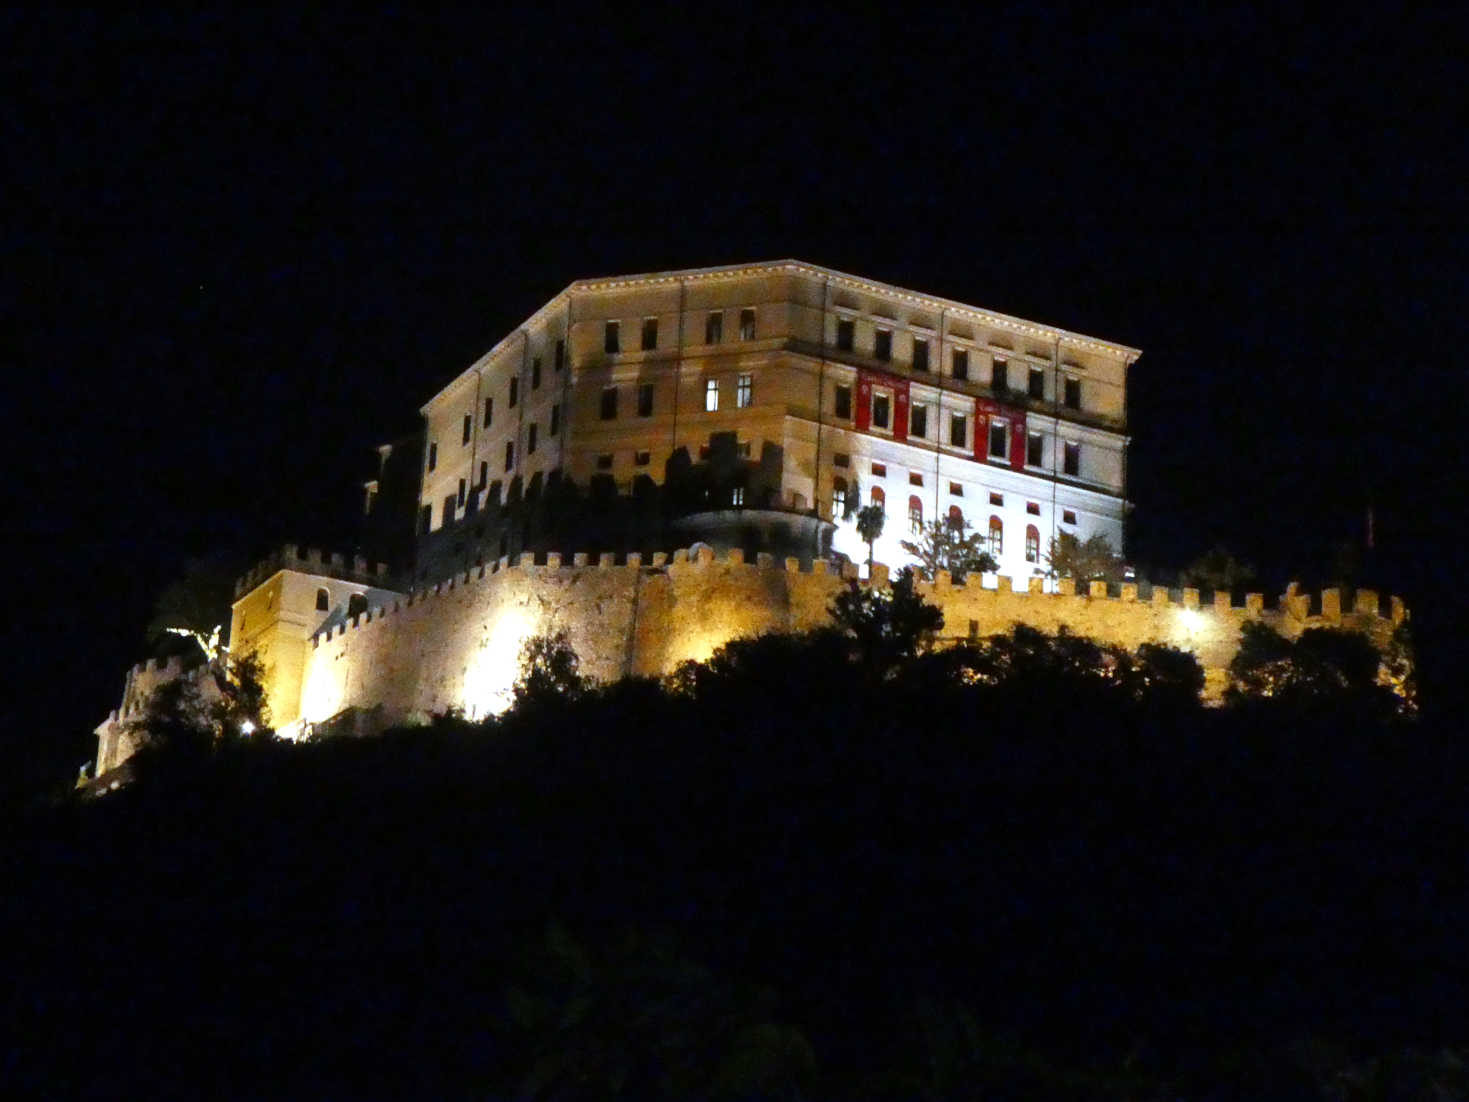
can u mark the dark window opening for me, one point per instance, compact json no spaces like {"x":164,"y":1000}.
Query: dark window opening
{"x":560,"y":355}
{"x":841,"y":459}
{"x":530,"y":441}
{"x":1037,"y":383}
{"x":604,"y":462}
{"x":920,"y":354}
{"x":846,"y":334}
{"x":747,"y":325}
{"x":961,"y":364}
{"x":842,"y":406}
{"x":555,"y":419}
{"x":918,"y":421}
{"x":1000,"y":376}
{"x":609,"y":403}
{"x":714,"y":327}
{"x":535,"y":373}
{"x":958,"y":430}
{"x":999,"y":439}
{"x":1073,"y":393}
{"x":514,"y":392}
{"x":650,"y":334}
{"x":645,"y":399}
{"x":882,"y":347}
{"x":509,"y":454}
{"x":1072,"y":459}
{"x":612,"y":338}
{"x":1035,"y":448}
{"x":880,"y":407}
{"x":489,"y":411}
{"x":323,"y":598}
{"x":433,"y":455}
{"x":468,"y":428}
{"x":642,"y":459}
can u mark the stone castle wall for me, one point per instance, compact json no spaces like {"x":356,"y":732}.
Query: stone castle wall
{"x":457,"y":645}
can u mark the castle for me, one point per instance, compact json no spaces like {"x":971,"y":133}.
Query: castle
{"x":741,"y":414}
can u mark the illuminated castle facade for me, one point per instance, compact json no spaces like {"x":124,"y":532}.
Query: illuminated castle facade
{"x":740,"y":414}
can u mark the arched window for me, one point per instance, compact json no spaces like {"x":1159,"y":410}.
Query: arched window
{"x":878,"y":497}
{"x":997,"y":537}
{"x":915,"y":512}
{"x":356,"y":604}
{"x":956,"y":518}
{"x":323,"y":600}
{"x":838,"y":498}
{"x":1032,"y":543}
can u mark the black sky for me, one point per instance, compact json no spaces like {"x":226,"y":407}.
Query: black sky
{"x":242,"y":250}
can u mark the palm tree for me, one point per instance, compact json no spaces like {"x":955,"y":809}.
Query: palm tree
{"x":870,"y":520}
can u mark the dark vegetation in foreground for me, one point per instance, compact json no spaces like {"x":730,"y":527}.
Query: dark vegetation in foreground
{"x":818,"y":867}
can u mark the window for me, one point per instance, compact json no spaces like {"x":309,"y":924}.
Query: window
{"x":711,"y":396}
{"x":535,"y":373}
{"x":878,"y":497}
{"x":703,"y":455}
{"x":1073,"y":392}
{"x":744,"y":391}
{"x":883,"y":345}
{"x":997,"y":537}
{"x":737,"y":496}
{"x":841,"y":459}
{"x":958,"y":430}
{"x":489,"y":411}
{"x":714,"y":327}
{"x":879,"y":470}
{"x":915,"y":479}
{"x":960,"y":364}
{"x":918,"y":421}
{"x":433,"y":455}
{"x":357,"y":604}
{"x":530,"y":441}
{"x":650,"y":334}
{"x":448,"y":508}
{"x":642,"y":459}
{"x":514,"y":392}
{"x":612,"y":337}
{"x":915,"y":513}
{"x":743,"y":449}
{"x":842,"y":406}
{"x":609,"y":403}
{"x":560,"y":355}
{"x":1032,"y":543}
{"x":838,"y":498}
{"x":997,"y":499}
{"x":956,"y":488}
{"x":509,"y":454}
{"x":1068,"y":517}
{"x":468,"y":428}
{"x":462,"y":488}
{"x":747,"y":324}
{"x":555,"y":419}
{"x":1000,"y":375}
{"x":920,"y":354}
{"x":956,"y":518}
{"x":999,"y":440}
{"x":1071,"y":464}
{"x":1035,"y":450}
{"x":484,"y":473}
{"x":324,"y":599}
{"x":645,"y":399}
{"x":846,"y":334}
{"x":1037,"y":388}
{"x":1033,"y":508}
{"x":604,"y":462}
{"x":881,"y":404}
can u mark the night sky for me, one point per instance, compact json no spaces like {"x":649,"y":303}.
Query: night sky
{"x":241,"y":251}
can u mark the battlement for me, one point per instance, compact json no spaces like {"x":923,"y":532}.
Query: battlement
{"x":313,"y":561}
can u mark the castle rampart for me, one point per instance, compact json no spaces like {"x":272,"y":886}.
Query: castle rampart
{"x":456,"y":645}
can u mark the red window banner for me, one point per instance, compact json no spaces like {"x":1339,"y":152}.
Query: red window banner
{"x":897,"y":413}
{"x":864,"y":402}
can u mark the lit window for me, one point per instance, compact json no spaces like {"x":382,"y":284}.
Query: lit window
{"x":744,"y":391}
{"x":468,"y":428}
{"x":609,"y":403}
{"x":604,"y":462}
{"x":642,"y":459}
{"x":645,"y":399}
{"x":323,"y":598}
{"x":958,"y":430}
{"x":555,"y":419}
{"x":997,"y":537}
{"x":1000,"y":375}
{"x":878,"y":496}
{"x":1072,"y":461}
{"x":714,"y":327}
{"x":650,"y":334}
{"x":509,"y":454}
{"x":1073,"y":392}
{"x":743,"y":449}
{"x":433,"y":455}
{"x":1035,"y":450}
{"x":883,"y":346}
{"x":1068,"y":517}
{"x":879,"y":470}
{"x":918,"y":421}
{"x":960,"y":364}
{"x":846,"y":334}
{"x":530,"y":441}
{"x":1032,"y":543}
{"x":956,"y":488}
{"x":881,"y":407}
{"x":747,"y":324}
{"x":999,"y":440}
{"x":737,"y":496}
{"x":915,"y":479}
{"x":842,"y":405}
{"x":489,"y":411}
{"x":997,"y":499}
{"x":711,"y":396}
{"x":838,"y":498}
{"x":535,"y":373}
{"x":514,"y":392}
{"x":1037,"y":389}
{"x":612,"y":337}
{"x":920,"y":354}
{"x":915,"y":513}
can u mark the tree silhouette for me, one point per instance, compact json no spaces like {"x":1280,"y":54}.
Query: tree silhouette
{"x":952,"y":546}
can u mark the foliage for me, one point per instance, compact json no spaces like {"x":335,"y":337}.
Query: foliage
{"x":1217,"y":570}
{"x":870,"y":522}
{"x":549,"y":670}
{"x":217,"y":704}
{"x":955,"y":547}
{"x":199,"y":599}
{"x":1324,"y":665}
{"x":888,"y":626}
{"x":1069,"y":557}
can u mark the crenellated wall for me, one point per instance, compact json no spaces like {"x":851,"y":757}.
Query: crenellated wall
{"x":457,"y":645}
{"x":115,"y":742}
